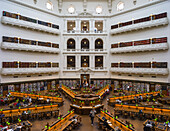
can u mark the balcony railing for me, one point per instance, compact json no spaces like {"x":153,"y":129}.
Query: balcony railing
{"x":85,"y":69}
{"x":160,"y":68}
{"x":28,"y":45}
{"x":149,"y":21}
{"x":95,"y":32}
{"x":27,"y":22}
{"x":16,"y":67}
{"x":141,"y":45}
{"x":84,"y":51}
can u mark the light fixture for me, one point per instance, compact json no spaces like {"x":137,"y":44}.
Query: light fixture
{"x":120,"y":6}
{"x":99,"y":9}
{"x":99,"y":25}
{"x":98,"y":42}
{"x":49,"y":5}
{"x":98,"y":59}
{"x":71,"y":25}
{"x":71,"y":9}
{"x":71,"y":42}
{"x":70,"y":59}
{"x":85,"y":42}
{"x":84,"y":59}
{"x":85,"y":25}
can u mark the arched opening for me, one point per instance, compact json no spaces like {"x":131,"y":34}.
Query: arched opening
{"x":71,"y":44}
{"x":98,"y":43}
{"x":85,"y":44}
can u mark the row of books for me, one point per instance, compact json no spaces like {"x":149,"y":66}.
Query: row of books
{"x":16,"y":64}
{"x":24,"y":18}
{"x":140,"y":65}
{"x":145,"y":19}
{"x":29,"y":42}
{"x":140,"y":42}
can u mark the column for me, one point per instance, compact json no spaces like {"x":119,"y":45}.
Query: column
{"x":78,"y":60}
{"x":91,"y":25}
{"x":65,"y":25}
{"x":92,"y":43}
{"x":78,"y":22}
{"x":104,"y":61}
{"x":78,"y":43}
{"x":92,"y":61}
{"x":104,"y":26}
{"x":65,"y":61}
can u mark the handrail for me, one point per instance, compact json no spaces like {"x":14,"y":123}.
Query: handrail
{"x":140,"y":20}
{"x":29,"y":42}
{"x":28,"y":19}
{"x":140,"y":42}
{"x":52,"y":99}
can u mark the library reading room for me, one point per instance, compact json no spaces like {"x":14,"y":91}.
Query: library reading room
{"x":84,"y":65}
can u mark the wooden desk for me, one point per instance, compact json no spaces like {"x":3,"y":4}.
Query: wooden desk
{"x":68,"y":91}
{"x":165,"y":99}
{"x":147,"y":110}
{"x":155,"y":104}
{"x":86,"y":109}
{"x":63,"y":123}
{"x":44,"y":98}
{"x":158,"y":126}
{"x":131,"y":97}
{"x":27,"y":124}
{"x":17,"y":112}
{"x":114,"y":122}
{"x":102,"y":91}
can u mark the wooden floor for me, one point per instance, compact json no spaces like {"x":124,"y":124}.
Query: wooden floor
{"x":86,"y":123}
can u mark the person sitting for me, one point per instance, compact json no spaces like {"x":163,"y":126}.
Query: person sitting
{"x":74,"y":120}
{"x":29,"y":112}
{"x":148,"y":124}
{"x":106,"y":124}
{"x":18,"y":104}
{"x":48,"y":100}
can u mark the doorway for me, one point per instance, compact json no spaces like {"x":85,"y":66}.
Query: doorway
{"x":85,"y":79}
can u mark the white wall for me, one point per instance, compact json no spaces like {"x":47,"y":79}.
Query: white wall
{"x":39,"y":11}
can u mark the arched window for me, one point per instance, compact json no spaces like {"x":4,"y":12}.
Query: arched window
{"x":71,"y":43}
{"x":85,"y":44}
{"x":98,"y":43}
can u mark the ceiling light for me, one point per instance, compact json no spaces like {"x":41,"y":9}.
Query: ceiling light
{"x":120,"y":6}
{"x":99,"y":9}
{"x":71,"y":9}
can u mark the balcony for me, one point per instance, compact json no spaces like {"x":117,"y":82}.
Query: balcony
{"x":148,"y":68}
{"x":147,"y":71}
{"x":19,"y":71}
{"x":18,"y":68}
{"x":29,"y":45}
{"x":84,"y":51}
{"x":26,"y":22}
{"x":85,"y":69}
{"x":76,"y":32}
{"x":142,"y":23}
{"x":142,"y":45}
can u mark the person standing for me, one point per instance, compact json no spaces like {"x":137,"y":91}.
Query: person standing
{"x":92,"y":115}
